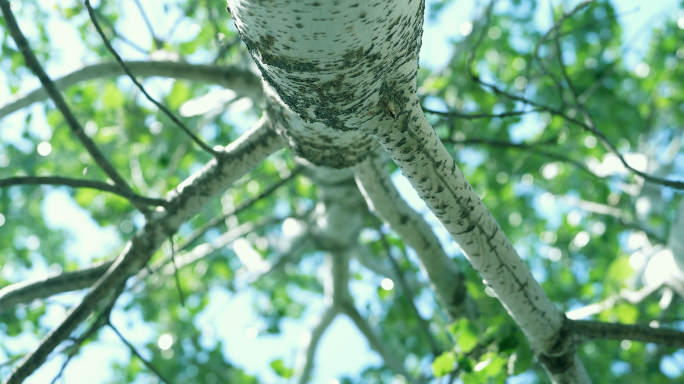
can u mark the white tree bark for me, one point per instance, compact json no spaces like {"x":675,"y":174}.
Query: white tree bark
{"x":384,"y":199}
{"x":349,"y":67}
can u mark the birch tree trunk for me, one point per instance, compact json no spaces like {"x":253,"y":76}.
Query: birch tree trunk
{"x":342,"y":73}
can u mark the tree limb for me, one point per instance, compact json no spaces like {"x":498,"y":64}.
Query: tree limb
{"x":185,"y":201}
{"x":27,"y":291}
{"x":383,"y":198}
{"x":135,"y":81}
{"x":33,"y":64}
{"x":306,"y":356}
{"x":242,"y":81}
{"x":126,"y":193}
{"x":595,"y":308}
{"x":589,"y":330}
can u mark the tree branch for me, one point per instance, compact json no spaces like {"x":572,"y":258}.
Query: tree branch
{"x":185,"y":201}
{"x":242,"y":81}
{"x":159,"y":105}
{"x":80,"y":183}
{"x":589,"y":330}
{"x":27,"y":291}
{"x":408,"y":295}
{"x":306,"y":356}
{"x":596,"y":308}
{"x":137,"y":354}
{"x":198,"y":232}
{"x":587,"y":126}
{"x":33,"y":64}
{"x":472,"y":116}
{"x":383,"y":198}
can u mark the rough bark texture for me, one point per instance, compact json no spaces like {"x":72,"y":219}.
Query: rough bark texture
{"x":344,"y":66}
{"x":384,"y":199}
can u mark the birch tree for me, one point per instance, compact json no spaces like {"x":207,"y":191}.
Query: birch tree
{"x":556,"y":256}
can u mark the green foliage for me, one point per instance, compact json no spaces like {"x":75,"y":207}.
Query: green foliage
{"x":531,"y":170}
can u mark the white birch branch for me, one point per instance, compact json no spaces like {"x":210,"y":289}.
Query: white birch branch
{"x":242,"y":81}
{"x":415,"y":148}
{"x":383,"y":198}
{"x":186,"y":200}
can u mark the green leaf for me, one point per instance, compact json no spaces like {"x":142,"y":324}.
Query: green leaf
{"x":443,"y":364}
{"x":280,"y":369}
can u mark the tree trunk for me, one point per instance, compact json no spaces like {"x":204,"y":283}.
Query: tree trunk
{"x":341,"y":73}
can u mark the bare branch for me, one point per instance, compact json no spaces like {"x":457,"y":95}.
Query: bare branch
{"x":80,"y":183}
{"x":157,"y":42}
{"x":173,"y":117}
{"x":392,"y":361}
{"x":137,"y":354}
{"x":185,"y":201}
{"x":242,"y":81}
{"x":530,"y":147}
{"x":408,"y":295}
{"x":471,"y":116}
{"x":306,"y":356}
{"x":60,"y":103}
{"x":587,"y":126}
{"x":241,"y":207}
{"x":384,"y":199}
{"x":27,"y":291}
{"x":98,"y":323}
{"x":589,"y":330}
{"x":596,"y":308}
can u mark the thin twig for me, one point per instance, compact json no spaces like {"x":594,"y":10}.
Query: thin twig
{"x":243,"y":205}
{"x":589,"y":330}
{"x":100,"y":321}
{"x":408,"y":295}
{"x":142,"y":89}
{"x":135,"y":352}
{"x":80,"y":183}
{"x":469,"y":116}
{"x":33,"y":64}
{"x":588,"y":127}
{"x":175,"y":272}
{"x":157,"y":42}
{"x":117,"y":34}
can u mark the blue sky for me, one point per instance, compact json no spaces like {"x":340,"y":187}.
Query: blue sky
{"x":342,"y":350}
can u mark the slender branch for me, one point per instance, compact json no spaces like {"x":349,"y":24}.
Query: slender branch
{"x":383,"y":199}
{"x":198,"y":232}
{"x":157,"y":42}
{"x":33,"y":64}
{"x":80,"y":183}
{"x":533,"y":147}
{"x":242,"y":81}
{"x":589,"y":330}
{"x":470,"y":116}
{"x":596,"y":308}
{"x":130,"y":74}
{"x":27,"y":291}
{"x":408,"y":295}
{"x":556,"y":26}
{"x":118,"y":35}
{"x":137,"y":354}
{"x":590,"y":127}
{"x":98,"y":323}
{"x":392,"y":361}
{"x":185,"y":201}
{"x":174,"y":250}
{"x":307,"y":355}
